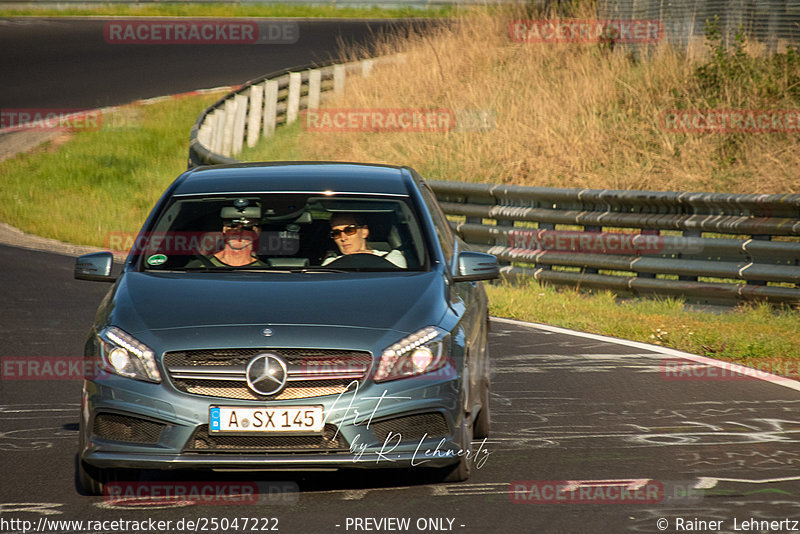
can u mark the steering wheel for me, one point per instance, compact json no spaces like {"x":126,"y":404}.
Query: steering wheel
{"x":361,"y":261}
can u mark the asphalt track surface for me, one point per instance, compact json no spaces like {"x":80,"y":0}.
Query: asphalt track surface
{"x":68,"y":63}
{"x":564,"y":408}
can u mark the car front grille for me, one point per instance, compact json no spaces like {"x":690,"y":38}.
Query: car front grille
{"x":311,"y":372}
{"x":126,"y":429}
{"x":204,"y":442}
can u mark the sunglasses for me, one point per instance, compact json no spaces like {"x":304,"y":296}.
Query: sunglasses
{"x":347,"y":230}
{"x":239,"y":226}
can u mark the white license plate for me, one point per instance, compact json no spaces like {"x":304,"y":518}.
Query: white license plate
{"x":268,"y":419}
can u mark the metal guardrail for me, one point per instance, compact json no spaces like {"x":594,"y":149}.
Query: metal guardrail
{"x":705,"y":246}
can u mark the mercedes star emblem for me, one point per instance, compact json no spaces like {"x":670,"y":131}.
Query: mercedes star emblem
{"x":266,"y":374}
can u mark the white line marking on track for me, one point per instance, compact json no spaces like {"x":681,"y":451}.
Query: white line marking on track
{"x":731,"y":367}
{"x":710,"y":482}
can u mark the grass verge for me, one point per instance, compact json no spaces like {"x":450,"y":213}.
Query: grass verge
{"x":92,"y":184}
{"x":225,"y":10}
{"x":757,"y":335}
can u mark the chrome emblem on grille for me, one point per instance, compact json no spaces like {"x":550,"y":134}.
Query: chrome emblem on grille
{"x":266,"y":374}
{"x":266,"y":332}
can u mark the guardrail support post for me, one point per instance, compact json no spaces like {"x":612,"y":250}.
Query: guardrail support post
{"x":293,"y":102}
{"x":339,"y":74}
{"x":366,"y":67}
{"x":270,"y":107}
{"x":254,"y":118}
{"x":598,"y":229}
{"x":314,"y":86}
{"x":227,"y":129}
{"x":648,"y":275}
{"x":218,"y":122}
{"x":759,"y":238}
{"x":206,"y":133}
{"x":549,"y":227}
{"x":237,"y":142}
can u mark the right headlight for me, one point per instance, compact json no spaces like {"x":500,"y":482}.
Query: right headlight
{"x":421,"y":352}
{"x":126,"y":356}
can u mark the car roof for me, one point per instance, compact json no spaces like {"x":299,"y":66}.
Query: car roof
{"x":295,"y":176}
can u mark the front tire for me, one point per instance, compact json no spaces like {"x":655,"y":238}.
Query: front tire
{"x":462,"y":470}
{"x":482,"y":422}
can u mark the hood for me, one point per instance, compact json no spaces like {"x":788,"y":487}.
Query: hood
{"x":403,"y":302}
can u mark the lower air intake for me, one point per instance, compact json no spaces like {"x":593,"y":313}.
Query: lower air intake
{"x":126,"y":429}
{"x":203,"y":441}
{"x":411,"y":427}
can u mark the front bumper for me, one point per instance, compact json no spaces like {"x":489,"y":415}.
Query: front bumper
{"x":427,"y":456}
{"x":377,"y":426}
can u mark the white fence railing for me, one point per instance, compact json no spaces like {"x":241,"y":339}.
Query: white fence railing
{"x":258,"y":107}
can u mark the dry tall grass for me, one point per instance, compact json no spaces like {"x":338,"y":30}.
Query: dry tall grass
{"x":568,"y":115}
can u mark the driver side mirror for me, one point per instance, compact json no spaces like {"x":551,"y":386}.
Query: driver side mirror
{"x":95,"y":267}
{"x":476,"y":266}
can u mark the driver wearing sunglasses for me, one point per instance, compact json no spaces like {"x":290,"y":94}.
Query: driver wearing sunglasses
{"x":240,"y":239}
{"x":350,"y":233}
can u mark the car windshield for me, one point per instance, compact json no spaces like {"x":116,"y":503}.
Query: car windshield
{"x":284,"y":232}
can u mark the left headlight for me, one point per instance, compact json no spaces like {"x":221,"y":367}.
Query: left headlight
{"x":126,"y":356}
{"x":421,"y":352}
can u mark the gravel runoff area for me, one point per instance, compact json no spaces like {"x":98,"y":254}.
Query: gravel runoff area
{"x":12,"y":143}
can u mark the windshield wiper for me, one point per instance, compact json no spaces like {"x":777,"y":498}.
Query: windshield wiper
{"x":206,"y":269}
{"x":302,"y":270}
{"x":233,"y":269}
{"x":319,"y":270}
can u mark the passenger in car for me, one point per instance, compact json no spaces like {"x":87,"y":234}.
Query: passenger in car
{"x":350,"y":232}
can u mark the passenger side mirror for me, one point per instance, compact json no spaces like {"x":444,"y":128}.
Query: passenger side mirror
{"x":475,"y":266}
{"x":95,"y":267}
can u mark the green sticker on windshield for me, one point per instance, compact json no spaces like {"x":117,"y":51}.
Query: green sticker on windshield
{"x":156,"y":259}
